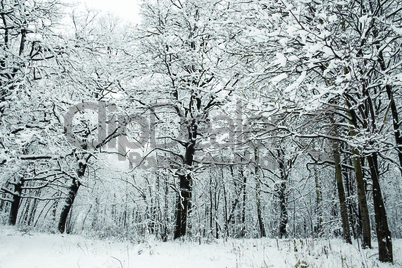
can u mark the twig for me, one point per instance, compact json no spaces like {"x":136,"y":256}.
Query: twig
{"x":121,"y":264}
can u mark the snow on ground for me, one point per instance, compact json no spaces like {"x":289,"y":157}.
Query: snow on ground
{"x":30,"y":250}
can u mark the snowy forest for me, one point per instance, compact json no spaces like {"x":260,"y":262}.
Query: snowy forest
{"x":210,"y":119}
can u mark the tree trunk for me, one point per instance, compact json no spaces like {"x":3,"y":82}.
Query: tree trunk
{"x":232,"y":217}
{"x":15,"y":204}
{"x":185,"y":181}
{"x":216,"y":202}
{"x":4,"y":195}
{"x":165,"y":211}
{"x":258,"y":193}
{"x":72,"y":193}
{"x":394,"y":111}
{"x":284,"y":214}
{"x":283,"y":220}
{"x":211,"y":207}
{"x":75,"y":185}
{"x":351,"y":205}
{"x":32,"y":213}
{"x":225,"y":199}
{"x":383,"y":232}
{"x":243,"y":212}
{"x":318,"y":203}
{"x":183,"y":205}
{"x":25,"y":207}
{"x":341,"y":190}
{"x":361,"y":193}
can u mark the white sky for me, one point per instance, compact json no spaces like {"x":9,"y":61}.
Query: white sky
{"x":126,"y":9}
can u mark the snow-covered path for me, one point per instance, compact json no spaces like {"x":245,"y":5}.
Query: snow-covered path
{"x":31,"y":250}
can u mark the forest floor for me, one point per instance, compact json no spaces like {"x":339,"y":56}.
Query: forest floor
{"x":30,"y":250}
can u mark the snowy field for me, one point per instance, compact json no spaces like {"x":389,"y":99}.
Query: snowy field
{"x":29,"y":250}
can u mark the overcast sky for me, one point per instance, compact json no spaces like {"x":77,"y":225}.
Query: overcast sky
{"x":126,"y":9}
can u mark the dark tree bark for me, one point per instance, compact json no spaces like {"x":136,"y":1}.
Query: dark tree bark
{"x":243,"y":204}
{"x":72,"y":193}
{"x":216,"y":203}
{"x":32,"y":213}
{"x":213,"y":207}
{"x":356,"y":230}
{"x":183,"y":206}
{"x":15,"y":204}
{"x":259,"y":211}
{"x":284,"y":214}
{"x":341,"y":192}
{"x":258,"y":193}
{"x":369,"y":123}
{"x":361,"y":195}
{"x":361,"y":192}
{"x":383,"y":232}
{"x":318,"y":195}
{"x":283,"y":220}
{"x":339,"y":184}
{"x":394,"y":111}
{"x":165,"y":211}
{"x":235,"y":202}
{"x":225,"y":199}
{"x":185,"y":181}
